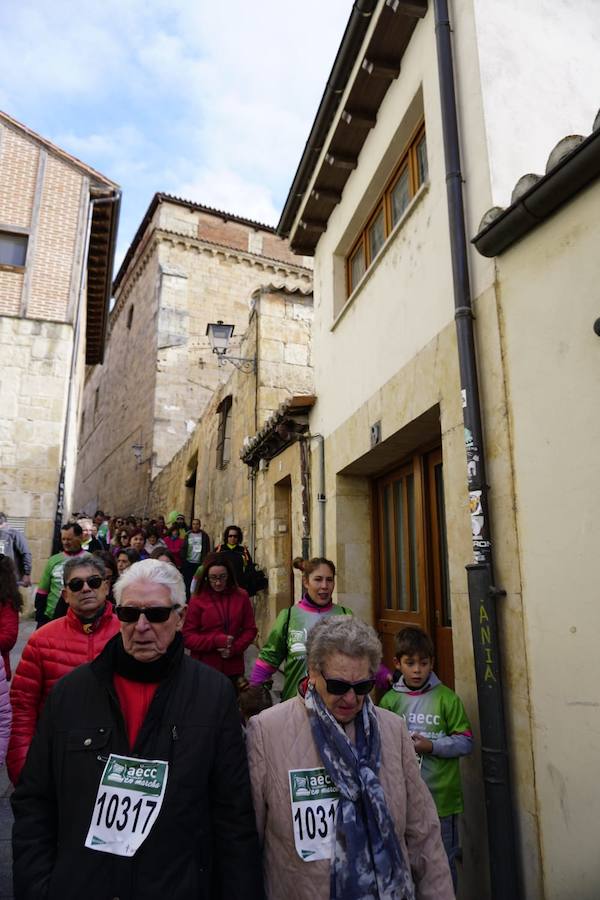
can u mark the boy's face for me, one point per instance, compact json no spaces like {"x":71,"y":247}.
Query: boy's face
{"x":415,"y":669}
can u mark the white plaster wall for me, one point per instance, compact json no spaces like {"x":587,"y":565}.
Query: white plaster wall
{"x":406,"y":297}
{"x":540,"y":79}
{"x":548,"y":303}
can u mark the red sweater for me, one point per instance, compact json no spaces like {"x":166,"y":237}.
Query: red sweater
{"x":210,"y":617}
{"x":50,"y":652}
{"x":135,"y":698}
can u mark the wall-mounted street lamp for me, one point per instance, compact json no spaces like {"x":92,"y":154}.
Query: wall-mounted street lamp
{"x":137,"y":452}
{"x":219,"y":336}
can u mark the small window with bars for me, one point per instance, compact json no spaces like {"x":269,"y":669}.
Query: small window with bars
{"x":224,"y":433}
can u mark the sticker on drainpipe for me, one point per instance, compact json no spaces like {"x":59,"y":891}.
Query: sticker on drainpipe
{"x":463,"y":394}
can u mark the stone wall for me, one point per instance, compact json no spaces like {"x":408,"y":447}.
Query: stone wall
{"x":33,"y":389}
{"x":280,"y":327}
{"x":159,"y":374}
{"x":44,"y":196}
{"x":118,"y":408}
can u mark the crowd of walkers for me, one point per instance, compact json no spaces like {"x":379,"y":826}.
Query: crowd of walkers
{"x":139,"y":773}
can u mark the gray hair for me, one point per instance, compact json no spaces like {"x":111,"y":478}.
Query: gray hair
{"x":342,"y":634}
{"x":85,"y":560}
{"x":156,"y":571}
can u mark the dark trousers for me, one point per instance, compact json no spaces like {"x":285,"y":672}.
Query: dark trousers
{"x":450,"y":839}
{"x":188,"y":570}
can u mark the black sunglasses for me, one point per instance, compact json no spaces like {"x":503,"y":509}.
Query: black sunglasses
{"x":339,"y":688}
{"x":93,"y":582}
{"x":154,"y":614}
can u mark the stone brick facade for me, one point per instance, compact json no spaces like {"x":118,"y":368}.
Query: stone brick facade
{"x":188,"y":266}
{"x":279,"y":334}
{"x":44,"y":196}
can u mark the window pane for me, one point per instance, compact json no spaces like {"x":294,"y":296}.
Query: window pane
{"x":422,"y":169}
{"x":441,"y":514}
{"x":376,"y":235}
{"x":400,"y":197}
{"x":13,"y":249}
{"x":357,"y":267}
{"x":401,"y":585}
{"x":387,"y":546}
{"x":412,"y":544}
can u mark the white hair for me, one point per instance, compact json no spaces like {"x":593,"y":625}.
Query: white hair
{"x":156,"y":571}
{"x":342,"y":634}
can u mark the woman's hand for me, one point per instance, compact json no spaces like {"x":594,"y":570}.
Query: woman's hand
{"x":226,"y":650}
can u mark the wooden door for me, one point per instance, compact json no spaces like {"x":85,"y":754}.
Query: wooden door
{"x":411,"y":580}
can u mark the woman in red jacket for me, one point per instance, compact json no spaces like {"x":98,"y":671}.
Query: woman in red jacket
{"x":219,"y":624}
{"x":174,"y":544}
{"x":10,"y":606}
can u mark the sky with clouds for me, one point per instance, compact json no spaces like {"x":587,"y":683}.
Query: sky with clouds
{"x":211,"y":101}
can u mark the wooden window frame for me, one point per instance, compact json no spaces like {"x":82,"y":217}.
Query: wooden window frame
{"x":15,"y":231}
{"x":409,"y":159}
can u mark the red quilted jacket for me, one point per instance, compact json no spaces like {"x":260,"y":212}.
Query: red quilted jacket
{"x":9,"y":631}
{"x":51,"y":652}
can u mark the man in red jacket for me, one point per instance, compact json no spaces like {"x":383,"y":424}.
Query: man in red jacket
{"x":57,"y":648}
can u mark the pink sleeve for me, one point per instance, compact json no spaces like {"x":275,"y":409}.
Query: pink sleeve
{"x":5,"y":713}
{"x":383,"y":678}
{"x":261,"y":672}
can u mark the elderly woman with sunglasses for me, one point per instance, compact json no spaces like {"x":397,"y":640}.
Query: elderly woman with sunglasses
{"x":340,"y":805}
{"x":136,"y":783}
{"x":219,"y":624}
{"x":58,"y":647}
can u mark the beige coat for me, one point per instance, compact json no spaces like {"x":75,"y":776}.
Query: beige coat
{"x":280,"y":739}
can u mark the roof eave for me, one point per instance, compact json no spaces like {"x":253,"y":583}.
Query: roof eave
{"x":355,"y":129}
{"x":543,"y":199}
{"x":100,"y":263}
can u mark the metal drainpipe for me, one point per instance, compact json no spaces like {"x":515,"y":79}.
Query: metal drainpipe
{"x":321,"y":498}
{"x":504,"y":867}
{"x":253,"y":471}
{"x":305,"y":493}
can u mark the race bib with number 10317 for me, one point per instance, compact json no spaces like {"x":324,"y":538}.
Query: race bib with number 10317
{"x":314,"y":799}
{"x":127,"y":805}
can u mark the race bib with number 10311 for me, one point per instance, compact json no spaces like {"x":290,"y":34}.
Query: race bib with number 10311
{"x":127,"y":805}
{"x":314,"y":799}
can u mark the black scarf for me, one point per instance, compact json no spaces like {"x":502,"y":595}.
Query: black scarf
{"x":124,"y":664}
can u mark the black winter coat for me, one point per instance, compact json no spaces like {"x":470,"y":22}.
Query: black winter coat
{"x":203,"y":846}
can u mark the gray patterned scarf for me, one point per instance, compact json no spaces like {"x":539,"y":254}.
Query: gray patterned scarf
{"x":367,"y":863}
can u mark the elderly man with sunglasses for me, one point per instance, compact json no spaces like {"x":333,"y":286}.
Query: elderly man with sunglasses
{"x":136,"y":785}
{"x":58,"y":647}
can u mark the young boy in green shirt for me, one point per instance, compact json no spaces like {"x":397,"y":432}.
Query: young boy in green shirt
{"x":438,"y":725}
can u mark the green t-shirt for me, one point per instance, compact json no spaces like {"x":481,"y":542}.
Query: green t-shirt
{"x":300,"y":623}
{"x":435,"y":714}
{"x":51,"y":582}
